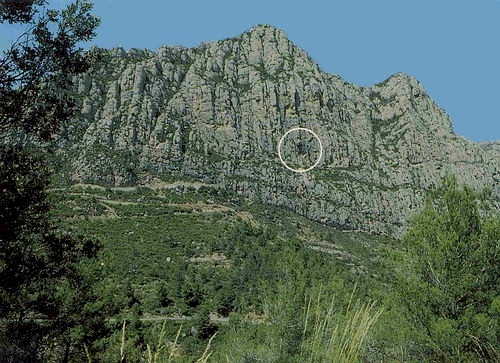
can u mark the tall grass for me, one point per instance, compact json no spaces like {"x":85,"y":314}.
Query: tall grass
{"x":164,"y":351}
{"x":336,"y":337}
{"x":326,"y":334}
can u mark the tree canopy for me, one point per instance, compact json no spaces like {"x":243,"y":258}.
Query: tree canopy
{"x":36,"y":73}
{"x":453,"y":294}
{"x":48,"y":306}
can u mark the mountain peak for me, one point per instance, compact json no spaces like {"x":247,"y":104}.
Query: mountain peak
{"x":264,"y":48}
{"x":264,"y":28}
{"x":267,"y":34}
{"x":400,"y":84}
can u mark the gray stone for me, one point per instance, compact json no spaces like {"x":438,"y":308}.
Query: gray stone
{"x":217,"y":111}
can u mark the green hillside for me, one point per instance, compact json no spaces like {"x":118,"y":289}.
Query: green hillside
{"x":209,"y":261}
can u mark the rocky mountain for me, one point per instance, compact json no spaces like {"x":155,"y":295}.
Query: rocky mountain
{"x":216,"y":113}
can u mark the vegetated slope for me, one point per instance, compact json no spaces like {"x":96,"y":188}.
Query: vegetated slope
{"x":197,"y":255}
{"x":216,"y":112}
{"x":147,"y":230}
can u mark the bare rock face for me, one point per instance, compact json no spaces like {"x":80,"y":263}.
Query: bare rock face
{"x":217,"y":112}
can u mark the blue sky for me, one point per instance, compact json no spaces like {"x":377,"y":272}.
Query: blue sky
{"x":450,"y":46}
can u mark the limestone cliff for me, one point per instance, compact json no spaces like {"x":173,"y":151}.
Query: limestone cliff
{"x":217,"y":111}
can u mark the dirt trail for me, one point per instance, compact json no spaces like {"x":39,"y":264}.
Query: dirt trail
{"x":154,"y":186}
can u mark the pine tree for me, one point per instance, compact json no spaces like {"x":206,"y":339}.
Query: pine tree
{"x":453,"y":293}
{"x":48,"y":308}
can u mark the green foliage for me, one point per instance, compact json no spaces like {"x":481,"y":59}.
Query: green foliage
{"x":36,"y":73}
{"x":44,"y":290}
{"x":302,"y":327}
{"x":48,"y":303}
{"x":453,"y":293}
{"x":14,"y":11}
{"x":190,"y":255}
{"x":337,"y":337}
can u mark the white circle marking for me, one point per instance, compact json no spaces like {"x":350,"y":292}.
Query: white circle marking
{"x":320,"y":150}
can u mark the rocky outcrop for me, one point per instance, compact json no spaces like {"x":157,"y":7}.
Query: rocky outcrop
{"x":216,"y":113}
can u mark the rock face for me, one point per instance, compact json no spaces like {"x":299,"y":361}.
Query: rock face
{"x":217,"y":112}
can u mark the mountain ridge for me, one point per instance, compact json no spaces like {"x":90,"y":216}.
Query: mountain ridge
{"x":216,"y":112}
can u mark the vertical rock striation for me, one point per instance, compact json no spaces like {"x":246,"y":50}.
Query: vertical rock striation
{"x":217,"y":111}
